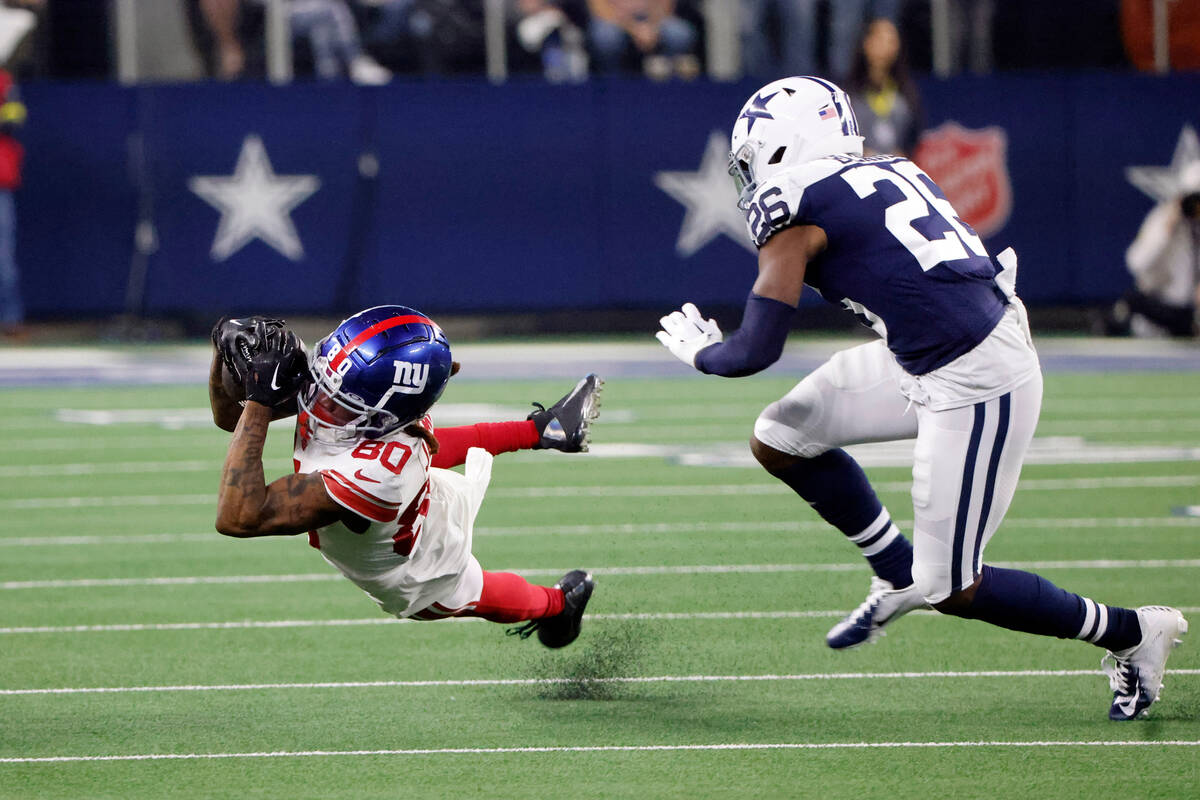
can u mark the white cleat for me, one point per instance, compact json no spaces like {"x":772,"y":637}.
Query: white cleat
{"x":865,"y":623}
{"x":1135,"y":674}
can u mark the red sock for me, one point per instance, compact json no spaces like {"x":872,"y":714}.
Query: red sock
{"x":495,"y":437}
{"x":507,"y":597}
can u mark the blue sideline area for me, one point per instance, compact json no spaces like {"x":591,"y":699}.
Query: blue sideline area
{"x":86,"y":366}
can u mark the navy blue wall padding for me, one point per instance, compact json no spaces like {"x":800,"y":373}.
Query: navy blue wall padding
{"x":523,"y":196}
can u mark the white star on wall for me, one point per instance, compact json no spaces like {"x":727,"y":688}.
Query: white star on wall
{"x":1163,"y":183}
{"x":255,"y":203}
{"x":709,"y":197}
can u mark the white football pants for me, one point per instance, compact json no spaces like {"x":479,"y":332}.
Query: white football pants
{"x":966,"y":462}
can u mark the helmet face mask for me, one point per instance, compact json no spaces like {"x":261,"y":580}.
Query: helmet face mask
{"x":789,"y":122}
{"x":741,"y":169}
{"x":377,"y":372}
{"x":337,"y":417}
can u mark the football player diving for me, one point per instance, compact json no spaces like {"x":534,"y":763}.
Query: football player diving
{"x":372,"y":486}
{"x":954,"y":367}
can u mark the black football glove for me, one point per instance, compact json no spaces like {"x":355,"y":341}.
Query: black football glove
{"x":566,"y":425}
{"x":277,"y":371}
{"x":238,"y":340}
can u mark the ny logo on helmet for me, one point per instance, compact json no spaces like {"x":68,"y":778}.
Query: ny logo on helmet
{"x":410,"y":378}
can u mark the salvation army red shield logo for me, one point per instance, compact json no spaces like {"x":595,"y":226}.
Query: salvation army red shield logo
{"x":971,"y":166}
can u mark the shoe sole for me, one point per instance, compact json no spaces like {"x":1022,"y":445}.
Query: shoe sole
{"x":876,"y":632}
{"x":873,"y":636}
{"x":591,"y":411}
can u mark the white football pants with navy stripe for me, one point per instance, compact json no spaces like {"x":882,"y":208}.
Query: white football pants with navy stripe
{"x":966,"y":462}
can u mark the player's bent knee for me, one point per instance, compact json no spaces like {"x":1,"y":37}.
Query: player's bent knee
{"x":955,"y":605}
{"x":772,"y":460}
{"x":932,"y":586}
{"x":959,"y":602}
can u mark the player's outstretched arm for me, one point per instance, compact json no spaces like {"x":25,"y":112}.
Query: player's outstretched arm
{"x":247,"y":506}
{"x":758,"y":342}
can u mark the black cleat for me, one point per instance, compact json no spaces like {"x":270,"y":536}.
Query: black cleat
{"x":564,"y":426}
{"x":563,"y":628}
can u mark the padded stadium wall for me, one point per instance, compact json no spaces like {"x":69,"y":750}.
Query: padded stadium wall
{"x":463,"y":197}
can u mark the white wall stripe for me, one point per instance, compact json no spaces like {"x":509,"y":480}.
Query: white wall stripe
{"x":691,"y":490}
{"x":597,"y":749}
{"x":816,"y":676}
{"x":696,"y":569}
{"x":701,"y":526}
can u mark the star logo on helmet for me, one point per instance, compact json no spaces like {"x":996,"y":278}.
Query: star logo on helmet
{"x":757,"y":110}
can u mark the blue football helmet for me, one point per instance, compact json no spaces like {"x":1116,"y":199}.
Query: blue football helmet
{"x":379,"y":370}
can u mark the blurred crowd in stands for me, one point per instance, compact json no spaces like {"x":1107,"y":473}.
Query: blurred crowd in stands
{"x":369,"y":41}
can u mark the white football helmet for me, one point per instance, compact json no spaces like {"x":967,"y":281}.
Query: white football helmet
{"x":788,"y":122}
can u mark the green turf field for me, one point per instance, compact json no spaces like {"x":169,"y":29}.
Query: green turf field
{"x":144,"y":655}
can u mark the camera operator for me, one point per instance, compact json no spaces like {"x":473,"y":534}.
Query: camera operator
{"x":1164,"y":260}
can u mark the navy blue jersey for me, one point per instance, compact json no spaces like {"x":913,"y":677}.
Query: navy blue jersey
{"x":899,"y":256}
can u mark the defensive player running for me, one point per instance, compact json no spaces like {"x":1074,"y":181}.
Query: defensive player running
{"x":955,"y":368}
{"x":371,"y":486}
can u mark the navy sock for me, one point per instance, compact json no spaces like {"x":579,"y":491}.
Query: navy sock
{"x":1023,"y":601}
{"x":836,"y":487}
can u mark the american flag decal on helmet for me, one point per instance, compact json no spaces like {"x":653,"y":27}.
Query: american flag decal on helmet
{"x":828,"y":112}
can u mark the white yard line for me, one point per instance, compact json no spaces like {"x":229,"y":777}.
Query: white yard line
{"x":103,"y":468}
{"x":382,"y":620}
{"x":690,"y":490}
{"x":200,"y":420}
{"x":385,"y":620}
{"x":694,"y":569}
{"x":143,"y":441}
{"x":817,"y":676}
{"x":777,"y":526}
{"x":484,"y":751}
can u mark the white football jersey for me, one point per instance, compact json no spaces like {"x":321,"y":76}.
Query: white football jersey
{"x":417,"y":541}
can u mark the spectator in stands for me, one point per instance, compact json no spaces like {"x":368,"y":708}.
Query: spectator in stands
{"x":1164,"y":260}
{"x":648,"y":29}
{"x":432,"y":36}
{"x":221,"y":20}
{"x":971,"y":35}
{"x":18,"y":18}
{"x":12,"y":116}
{"x":884,"y":95}
{"x":543,"y":27}
{"x":328,"y":26}
{"x":797,"y":35}
{"x":332,"y":33}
